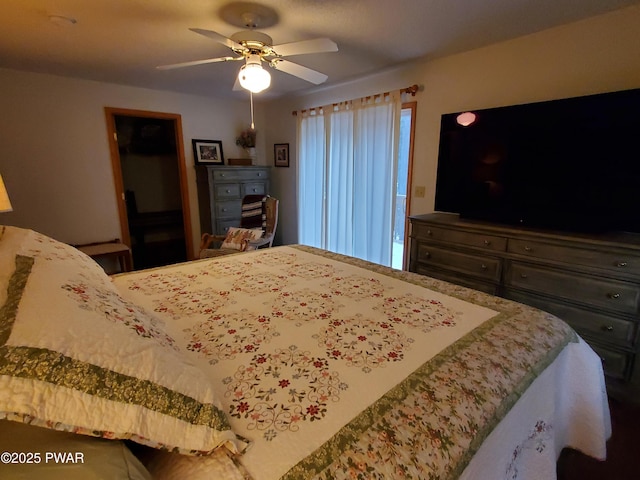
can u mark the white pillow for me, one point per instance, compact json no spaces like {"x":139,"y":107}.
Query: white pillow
{"x":75,"y":356}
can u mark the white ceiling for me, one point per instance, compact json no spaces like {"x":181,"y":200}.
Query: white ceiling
{"x":122,"y":41}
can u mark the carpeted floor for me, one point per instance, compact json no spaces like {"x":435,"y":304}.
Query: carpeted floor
{"x":623,"y":450}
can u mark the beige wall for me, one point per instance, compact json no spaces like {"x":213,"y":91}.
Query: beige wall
{"x":54,"y":155}
{"x":595,"y":55}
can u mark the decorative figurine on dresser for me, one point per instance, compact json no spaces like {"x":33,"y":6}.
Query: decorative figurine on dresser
{"x":220,"y":192}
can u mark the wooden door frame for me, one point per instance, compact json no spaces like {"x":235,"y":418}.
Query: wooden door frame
{"x":111,"y":113}
{"x":405,"y":252}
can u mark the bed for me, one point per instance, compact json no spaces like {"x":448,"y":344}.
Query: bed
{"x":286,"y":363}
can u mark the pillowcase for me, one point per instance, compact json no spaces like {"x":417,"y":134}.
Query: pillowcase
{"x":75,"y":356}
{"x":239,"y":238}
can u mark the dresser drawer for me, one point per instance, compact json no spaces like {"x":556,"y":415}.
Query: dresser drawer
{"x":489,"y":242}
{"x":229,"y":209}
{"x":222,"y":225}
{"x":608,"y":294}
{"x":586,"y":322}
{"x":615,"y":364}
{"x":239,"y":174}
{"x":479,"y":266}
{"x":254,"y":188}
{"x":486,"y":287}
{"x":227,"y":190}
{"x":616,"y":262}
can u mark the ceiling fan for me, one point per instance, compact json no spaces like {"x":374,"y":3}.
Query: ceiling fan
{"x":255,"y":47}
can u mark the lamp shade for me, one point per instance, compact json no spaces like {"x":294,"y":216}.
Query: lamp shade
{"x":5,"y":204}
{"x":252,"y":76}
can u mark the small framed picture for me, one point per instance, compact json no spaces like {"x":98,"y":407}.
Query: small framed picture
{"x":207,"y":152}
{"x":281,"y":154}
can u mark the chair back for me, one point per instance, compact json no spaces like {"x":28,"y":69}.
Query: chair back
{"x":271,"y":210}
{"x":253,"y":212}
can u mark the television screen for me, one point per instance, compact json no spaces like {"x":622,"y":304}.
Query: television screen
{"x":571,"y":164}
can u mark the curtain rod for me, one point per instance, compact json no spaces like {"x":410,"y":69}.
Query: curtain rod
{"x":413,"y":89}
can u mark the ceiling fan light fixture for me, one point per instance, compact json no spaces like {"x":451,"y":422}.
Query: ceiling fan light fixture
{"x":252,"y":76}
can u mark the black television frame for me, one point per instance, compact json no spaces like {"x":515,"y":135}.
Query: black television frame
{"x":570,"y":164}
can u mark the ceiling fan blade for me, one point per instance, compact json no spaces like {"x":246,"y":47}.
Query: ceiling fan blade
{"x":198,"y":62}
{"x":299,"y":71}
{"x":218,"y":38}
{"x":317,"y":45}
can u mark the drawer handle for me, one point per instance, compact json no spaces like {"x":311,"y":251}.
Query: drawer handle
{"x":222,"y":174}
{"x":259,"y":174}
{"x":621,"y":264}
{"x":607,"y":328}
{"x":487,"y":242}
{"x":524,"y":275}
{"x":483,"y":266}
{"x":224,"y":209}
{"x":613,"y":296}
{"x":528,"y":249}
{"x":429,"y":232}
{"x":427,"y":255}
{"x":228,"y":191}
{"x":255,"y":189}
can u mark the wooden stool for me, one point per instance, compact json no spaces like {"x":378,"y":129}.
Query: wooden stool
{"x":113,"y":249}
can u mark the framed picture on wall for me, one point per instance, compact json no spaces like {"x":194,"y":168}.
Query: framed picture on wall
{"x":207,"y":152}
{"x":281,"y":154}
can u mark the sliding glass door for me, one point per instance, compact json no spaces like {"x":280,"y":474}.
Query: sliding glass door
{"x":351,"y":184}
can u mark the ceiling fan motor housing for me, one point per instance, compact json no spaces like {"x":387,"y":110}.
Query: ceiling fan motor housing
{"x":254,"y":41}
{"x":253,"y":59}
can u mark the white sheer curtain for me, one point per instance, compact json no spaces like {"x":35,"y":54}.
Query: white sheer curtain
{"x":311,"y":178}
{"x":347,"y":176}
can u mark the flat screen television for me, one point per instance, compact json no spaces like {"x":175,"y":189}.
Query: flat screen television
{"x":570,"y":164}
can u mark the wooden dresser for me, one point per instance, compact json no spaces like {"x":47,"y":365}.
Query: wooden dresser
{"x":590,"y":281}
{"x":220,"y":192}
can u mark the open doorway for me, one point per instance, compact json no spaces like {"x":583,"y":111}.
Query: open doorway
{"x":147,"y":156}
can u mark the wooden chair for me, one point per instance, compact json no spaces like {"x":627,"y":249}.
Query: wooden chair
{"x":258,"y":211}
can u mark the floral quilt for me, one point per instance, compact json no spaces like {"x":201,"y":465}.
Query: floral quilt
{"x":333,"y":367}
